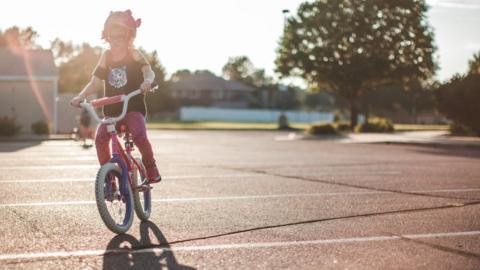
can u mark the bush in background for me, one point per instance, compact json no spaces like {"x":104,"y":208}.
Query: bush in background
{"x":40,"y":128}
{"x":322,"y":129}
{"x":342,"y":126}
{"x":9,"y":126}
{"x":460,"y":130}
{"x":375,"y":125}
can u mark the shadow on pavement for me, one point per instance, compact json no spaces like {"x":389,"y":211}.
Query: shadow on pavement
{"x":6,"y":146}
{"x":448,"y":150}
{"x":129,"y":253}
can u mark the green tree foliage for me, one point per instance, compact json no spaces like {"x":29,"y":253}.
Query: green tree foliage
{"x":412,"y":97}
{"x":354,"y":45}
{"x":77,"y":67}
{"x":474,"y":64}
{"x":161,"y":100}
{"x":242,"y":70}
{"x":179,"y":75}
{"x":459,"y":100}
{"x":239,"y":69}
{"x":19,"y":38}
{"x":62,"y":50}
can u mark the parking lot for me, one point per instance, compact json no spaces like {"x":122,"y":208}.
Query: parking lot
{"x":249,"y":199}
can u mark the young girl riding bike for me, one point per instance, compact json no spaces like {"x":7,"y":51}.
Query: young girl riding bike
{"x":121,"y":70}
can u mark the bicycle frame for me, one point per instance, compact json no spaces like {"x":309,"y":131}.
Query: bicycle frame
{"x":119,"y":156}
{"x":124,"y":159}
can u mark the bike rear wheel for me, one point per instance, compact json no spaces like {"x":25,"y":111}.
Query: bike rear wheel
{"x":115,"y":208}
{"x":142,"y":197}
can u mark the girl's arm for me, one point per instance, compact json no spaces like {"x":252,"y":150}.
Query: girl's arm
{"x":148,"y":74}
{"x":94,"y":85}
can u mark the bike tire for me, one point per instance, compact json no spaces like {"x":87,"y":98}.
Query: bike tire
{"x":107,"y":218}
{"x":142,"y":210}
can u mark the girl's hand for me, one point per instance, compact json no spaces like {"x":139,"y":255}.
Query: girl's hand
{"x":146,"y":86}
{"x":75,"y":102}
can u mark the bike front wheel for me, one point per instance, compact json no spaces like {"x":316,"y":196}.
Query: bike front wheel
{"x":115,"y":207}
{"x":141,"y":196}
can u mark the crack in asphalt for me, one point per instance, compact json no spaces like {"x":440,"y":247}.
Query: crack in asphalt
{"x":401,"y":211}
{"x":323,"y":181}
{"x":460,"y":252}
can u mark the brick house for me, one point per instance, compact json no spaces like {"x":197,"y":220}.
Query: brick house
{"x":208,"y":90}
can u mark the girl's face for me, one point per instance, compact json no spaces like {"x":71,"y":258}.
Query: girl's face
{"x":118,"y":37}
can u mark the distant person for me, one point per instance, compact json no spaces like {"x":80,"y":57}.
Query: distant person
{"x":85,"y":129}
{"x":123,"y":69}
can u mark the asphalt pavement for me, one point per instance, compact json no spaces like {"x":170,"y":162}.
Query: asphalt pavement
{"x":248,"y":200}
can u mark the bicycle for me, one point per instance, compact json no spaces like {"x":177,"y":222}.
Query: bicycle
{"x":122,"y":181}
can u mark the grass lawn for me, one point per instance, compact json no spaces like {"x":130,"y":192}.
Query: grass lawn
{"x":408,"y":127}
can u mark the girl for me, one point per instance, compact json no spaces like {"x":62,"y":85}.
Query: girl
{"x":122,"y":69}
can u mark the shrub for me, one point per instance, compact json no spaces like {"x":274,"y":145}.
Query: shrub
{"x":9,"y":126}
{"x":322,"y":129}
{"x":40,"y":128}
{"x":376,"y":125}
{"x":342,"y":126}
{"x":460,"y":130}
{"x":459,"y":101}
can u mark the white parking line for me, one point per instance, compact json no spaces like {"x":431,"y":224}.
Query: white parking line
{"x":92,"y":179}
{"x":52,"y":167}
{"x":101,"y":252}
{"x":246,"y":197}
{"x":88,"y":179}
{"x":75,"y":166}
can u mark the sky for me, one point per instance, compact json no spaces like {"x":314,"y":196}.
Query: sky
{"x":192,"y":34}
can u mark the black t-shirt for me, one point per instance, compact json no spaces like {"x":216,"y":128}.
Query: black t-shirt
{"x":122,"y":77}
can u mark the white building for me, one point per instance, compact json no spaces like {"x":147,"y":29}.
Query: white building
{"x":28,"y":87}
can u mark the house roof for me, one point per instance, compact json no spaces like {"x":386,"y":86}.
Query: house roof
{"x":205,"y":81}
{"x":27,"y":63}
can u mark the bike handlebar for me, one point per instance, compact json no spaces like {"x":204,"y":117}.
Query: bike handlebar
{"x":90,"y":106}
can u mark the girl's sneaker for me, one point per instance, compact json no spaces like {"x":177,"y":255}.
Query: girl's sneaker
{"x":153,"y":175}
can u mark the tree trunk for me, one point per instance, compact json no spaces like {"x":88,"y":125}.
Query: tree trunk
{"x":353,"y":114}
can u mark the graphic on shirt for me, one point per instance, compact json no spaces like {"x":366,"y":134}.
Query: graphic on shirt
{"x":118,"y":77}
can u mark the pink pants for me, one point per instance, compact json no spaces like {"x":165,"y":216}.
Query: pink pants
{"x":135,"y":123}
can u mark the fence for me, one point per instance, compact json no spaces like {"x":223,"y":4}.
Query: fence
{"x":250,"y":115}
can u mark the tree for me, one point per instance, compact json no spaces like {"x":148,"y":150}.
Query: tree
{"x":180,"y":74}
{"x":413,"y":98}
{"x":458,"y":99}
{"x":14,"y":37}
{"x":161,"y":100}
{"x":239,"y":69}
{"x":62,"y":50}
{"x":474,"y":64}
{"x":76,"y":70}
{"x":352,"y":46}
